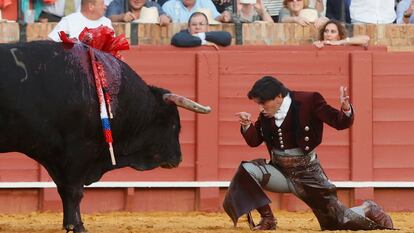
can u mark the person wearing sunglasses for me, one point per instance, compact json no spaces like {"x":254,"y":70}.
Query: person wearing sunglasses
{"x":197,"y":34}
{"x":334,"y":33}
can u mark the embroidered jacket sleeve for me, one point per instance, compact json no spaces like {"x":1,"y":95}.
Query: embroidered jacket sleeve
{"x":253,"y":135}
{"x":331,"y":116}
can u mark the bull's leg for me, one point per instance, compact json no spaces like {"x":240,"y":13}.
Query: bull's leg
{"x":71,"y":197}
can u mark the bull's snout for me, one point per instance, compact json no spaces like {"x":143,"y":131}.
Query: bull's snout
{"x":172,"y":163}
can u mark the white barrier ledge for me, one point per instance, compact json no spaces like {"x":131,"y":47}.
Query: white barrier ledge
{"x":198,"y":184}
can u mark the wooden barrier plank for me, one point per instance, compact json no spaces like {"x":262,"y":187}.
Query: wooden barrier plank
{"x":38,"y":31}
{"x":207,"y":64}
{"x":362,"y":130}
{"x":392,"y":174}
{"x":9,"y":32}
{"x":163,"y":200}
{"x":149,"y":62}
{"x":393,"y":133}
{"x":18,"y":201}
{"x":398,"y":63}
{"x":282,"y":62}
{"x":385,"y":157}
{"x":402,"y":108}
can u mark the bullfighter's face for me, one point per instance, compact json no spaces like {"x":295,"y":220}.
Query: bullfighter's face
{"x":270,"y":107}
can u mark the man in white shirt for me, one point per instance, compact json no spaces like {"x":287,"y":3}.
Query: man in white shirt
{"x":372,"y":11}
{"x":405,"y":9}
{"x":91,"y":15}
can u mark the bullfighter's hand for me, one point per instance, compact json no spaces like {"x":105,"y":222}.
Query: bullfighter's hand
{"x":344,"y":98}
{"x":244,"y":118}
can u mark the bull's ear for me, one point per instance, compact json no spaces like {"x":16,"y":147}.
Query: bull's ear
{"x":186,"y":103}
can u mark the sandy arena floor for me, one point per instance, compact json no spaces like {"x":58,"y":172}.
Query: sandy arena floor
{"x":193,"y":222}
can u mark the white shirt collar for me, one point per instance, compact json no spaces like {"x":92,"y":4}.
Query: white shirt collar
{"x":284,"y":108}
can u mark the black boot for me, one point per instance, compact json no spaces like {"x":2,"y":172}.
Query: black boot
{"x":374,"y":212}
{"x":268,"y":221}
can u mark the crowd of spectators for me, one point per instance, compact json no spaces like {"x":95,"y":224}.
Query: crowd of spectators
{"x":303,"y":12}
{"x":73,"y":15}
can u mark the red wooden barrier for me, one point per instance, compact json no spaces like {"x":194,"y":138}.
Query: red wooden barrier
{"x":377,"y":148}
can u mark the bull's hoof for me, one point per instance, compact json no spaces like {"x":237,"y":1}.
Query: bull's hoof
{"x":75,"y":229}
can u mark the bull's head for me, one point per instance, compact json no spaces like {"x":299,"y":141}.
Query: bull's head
{"x":162,"y":133}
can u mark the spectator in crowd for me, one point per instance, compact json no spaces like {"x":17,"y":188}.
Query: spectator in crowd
{"x":197,"y":34}
{"x":405,"y":10}
{"x":222,"y":5}
{"x":291,"y":13}
{"x":180,"y":10}
{"x":117,"y":13}
{"x":273,"y":7}
{"x":339,"y":10}
{"x":249,"y":11}
{"x":60,"y":8}
{"x":91,"y":15}
{"x":372,"y":11}
{"x":334,"y":33}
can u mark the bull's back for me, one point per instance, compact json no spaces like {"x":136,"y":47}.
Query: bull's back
{"x":44,"y":89}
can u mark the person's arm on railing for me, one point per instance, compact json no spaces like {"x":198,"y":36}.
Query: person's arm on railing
{"x":261,"y":10}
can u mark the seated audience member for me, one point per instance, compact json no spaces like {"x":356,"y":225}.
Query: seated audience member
{"x":249,"y":11}
{"x":91,"y":15}
{"x":116,"y":11}
{"x":222,"y":5}
{"x":273,"y":7}
{"x":197,"y":34}
{"x":55,"y":11}
{"x":334,"y":33}
{"x":293,"y":9}
{"x":372,"y":11}
{"x":405,"y":10}
{"x":338,"y":9}
{"x":180,"y":10}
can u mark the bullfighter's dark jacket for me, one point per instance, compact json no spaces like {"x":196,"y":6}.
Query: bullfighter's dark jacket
{"x":301,"y":128}
{"x":308,"y":111}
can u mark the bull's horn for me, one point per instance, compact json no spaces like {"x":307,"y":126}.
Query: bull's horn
{"x":186,"y":103}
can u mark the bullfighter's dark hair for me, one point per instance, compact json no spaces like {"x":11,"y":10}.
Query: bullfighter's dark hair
{"x":267,"y":88}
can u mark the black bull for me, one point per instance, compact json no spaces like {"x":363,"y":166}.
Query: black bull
{"x":49,"y":111}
